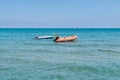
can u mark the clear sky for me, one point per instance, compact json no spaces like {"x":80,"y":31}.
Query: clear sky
{"x":60,"y":13}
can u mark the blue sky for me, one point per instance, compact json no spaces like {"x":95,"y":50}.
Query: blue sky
{"x":60,"y":13}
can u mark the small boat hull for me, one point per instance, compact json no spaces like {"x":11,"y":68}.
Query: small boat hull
{"x":66,"y":39}
{"x":44,"y":37}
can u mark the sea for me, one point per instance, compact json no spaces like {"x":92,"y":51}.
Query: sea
{"x":95,"y":55}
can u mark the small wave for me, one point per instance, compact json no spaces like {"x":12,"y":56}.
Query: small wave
{"x":53,"y":76}
{"x":34,"y":50}
{"x":112,"y":45}
{"x":102,"y":40}
{"x":3,"y":51}
{"x":31,"y":44}
{"x":5,"y":68}
{"x":107,"y":51}
{"x":86,"y":45}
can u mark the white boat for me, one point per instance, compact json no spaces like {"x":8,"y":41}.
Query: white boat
{"x":44,"y":37}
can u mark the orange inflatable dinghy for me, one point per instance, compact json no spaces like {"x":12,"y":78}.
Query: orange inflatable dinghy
{"x":66,"y":39}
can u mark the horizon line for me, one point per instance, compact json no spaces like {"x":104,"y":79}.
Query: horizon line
{"x":59,"y":27}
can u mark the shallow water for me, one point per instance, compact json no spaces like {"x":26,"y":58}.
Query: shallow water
{"x":95,"y":55}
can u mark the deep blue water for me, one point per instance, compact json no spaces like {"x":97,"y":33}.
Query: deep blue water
{"x":95,"y":55}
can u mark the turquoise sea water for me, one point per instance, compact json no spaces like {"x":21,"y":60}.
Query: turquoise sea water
{"x":95,"y":55}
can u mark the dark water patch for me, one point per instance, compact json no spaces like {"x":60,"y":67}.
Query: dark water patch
{"x":32,"y":50}
{"x":15,"y":60}
{"x":75,"y":52}
{"x":112,"y":45}
{"x":90,"y":45}
{"x":53,"y":77}
{"x":64,"y":44}
{"x":5,"y":51}
{"x":86,"y":45}
{"x":2,"y":51}
{"x":107,"y":51}
{"x":102,"y":40}
{"x":43,"y":44}
{"x":82,"y":68}
{"x":44,"y":50}
{"x":2,"y":68}
{"x":33,"y":44}
{"x":77,"y":46}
